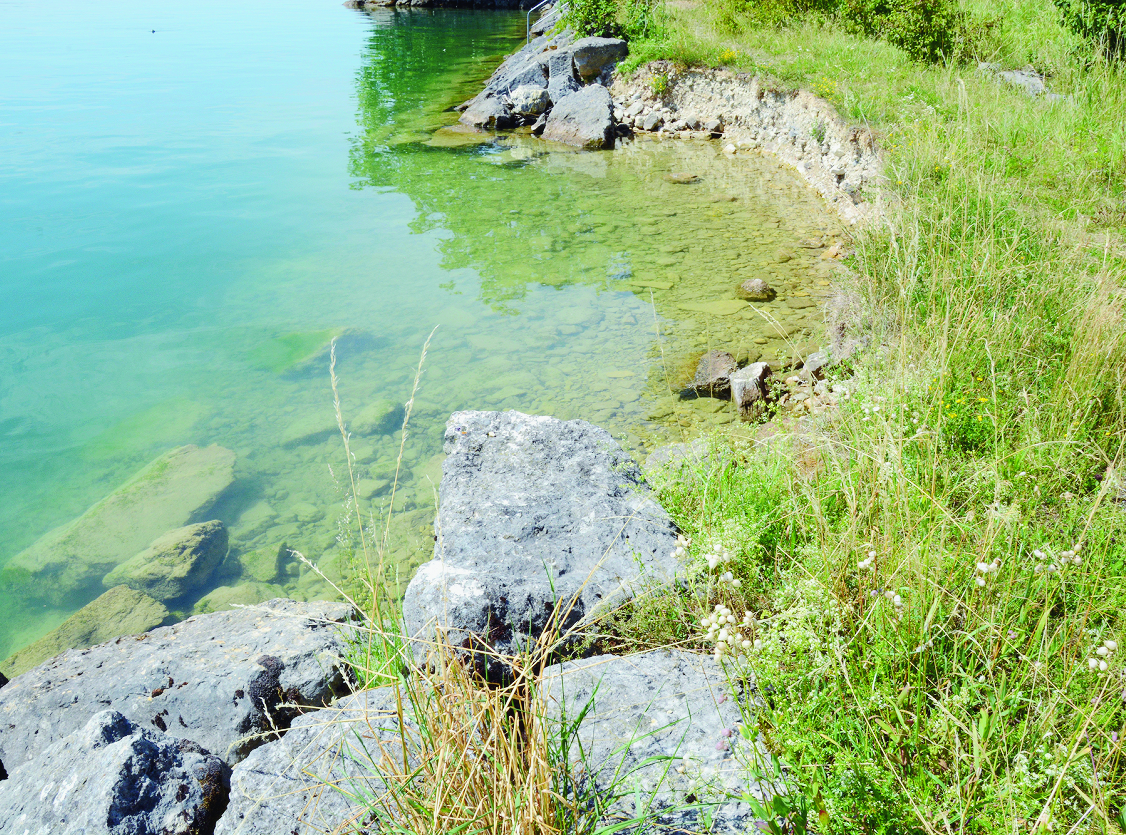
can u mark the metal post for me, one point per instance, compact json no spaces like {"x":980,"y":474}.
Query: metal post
{"x":528,"y":20}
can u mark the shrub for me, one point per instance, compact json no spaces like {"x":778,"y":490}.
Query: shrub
{"x":927,"y":30}
{"x":593,"y":18}
{"x":1103,"y":22}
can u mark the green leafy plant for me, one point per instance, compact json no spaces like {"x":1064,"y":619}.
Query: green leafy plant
{"x":593,"y":18}
{"x":1102,"y":22}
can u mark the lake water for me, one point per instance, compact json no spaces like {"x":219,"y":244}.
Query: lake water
{"x":195,"y":199}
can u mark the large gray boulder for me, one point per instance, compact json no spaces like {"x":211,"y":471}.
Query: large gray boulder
{"x":560,"y":86}
{"x":664,"y":726}
{"x":113,"y":777}
{"x":174,"y":564}
{"x":593,"y":55}
{"x":541,"y":523}
{"x":67,"y":565}
{"x":120,"y":611}
{"x":227,"y":681}
{"x":584,"y":119}
{"x":314,"y":779}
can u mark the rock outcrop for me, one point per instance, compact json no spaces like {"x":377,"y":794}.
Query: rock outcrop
{"x":544,"y":77}
{"x":120,"y":611}
{"x":175,"y":563}
{"x":666,"y":727}
{"x":226,"y":681}
{"x":67,"y":565}
{"x":541,"y":523}
{"x":114,"y":777}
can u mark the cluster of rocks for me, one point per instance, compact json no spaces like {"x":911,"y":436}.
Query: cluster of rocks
{"x":244,"y":721}
{"x":555,"y":84}
{"x":756,"y":391}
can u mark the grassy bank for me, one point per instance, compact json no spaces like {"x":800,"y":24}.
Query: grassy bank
{"x":935,"y":575}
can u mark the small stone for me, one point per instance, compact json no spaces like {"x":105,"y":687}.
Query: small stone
{"x":652,"y":121}
{"x":748,"y":390}
{"x":715,"y":126}
{"x":755,"y":290}
{"x":682,"y":177}
{"x":729,"y":149}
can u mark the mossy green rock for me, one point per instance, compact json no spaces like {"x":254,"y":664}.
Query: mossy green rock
{"x":175,"y":563}
{"x":120,"y":611}
{"x":379,"y":418}
{"x":243,"y":594}
{"x":263,"y":564}
{"x":69,"y":562}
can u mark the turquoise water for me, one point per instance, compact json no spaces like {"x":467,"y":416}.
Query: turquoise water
{"x":195,"y":199}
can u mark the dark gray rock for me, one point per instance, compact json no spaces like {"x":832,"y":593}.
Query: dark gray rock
{"x":559,"y":64}
{"x":748,"y":390}
{"x":539,"y":125}
{"x":713,"y":375}
{"x":584,"y":119}
{"x":488,"y":113}
{"x":593,"y":55}
{"x":120,"y":611}
{"x":560,"y":86}
{"x":313,"y":779}
{"x":528,"y":101}
{"x":714,"y":127}
{"x":665,"y":727}
{"x":111,"y":776}
{"x":539,"y":521}
{"x":217,"y":680}
{"x":174,"y":564}
{"x":755,"y":290}
{"x":3,"y":680}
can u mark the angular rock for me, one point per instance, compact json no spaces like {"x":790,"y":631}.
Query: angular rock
{"x":560,"y":86}
{"x":713,"y":375}
{"x":714,"y":127}
{"x":541,"y":523}
{"x":584,"y":119}
{"x":264,"y":564}
{"x":755,"y":290}
{"x":593,"y":55}
{"x":518,"y":71}
{"x":540,"y":124}
{"x":216,"y":680}
{"x":652,"y":121}
{"x":647,"y":710}
{"x":112,"y":777}
{"x":67,"y":564}
{"x":120,"y":611}
{"x":175,"y":563}
{"x":488,"y":113}
{"x":816,"y":364}
{"x":559,"y":64}
{"x":528,"y":101}
{"x":748,"y":390}
{"x":315,"y":777}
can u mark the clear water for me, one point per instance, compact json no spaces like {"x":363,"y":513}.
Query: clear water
{"x":195,"y":199}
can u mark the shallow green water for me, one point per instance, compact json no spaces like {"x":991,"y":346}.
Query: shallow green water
{"x":188,"y":215}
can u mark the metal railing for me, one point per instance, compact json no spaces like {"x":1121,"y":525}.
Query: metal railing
{"x":528,"y":19}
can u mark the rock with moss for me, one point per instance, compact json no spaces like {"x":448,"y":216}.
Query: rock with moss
{"x":240,"y":594}
{"x":176,"y":563}
{"x":120,"y":611}
{"x":382,"y":417}
{"x":66,"y":566}
{"x":263,"y":564}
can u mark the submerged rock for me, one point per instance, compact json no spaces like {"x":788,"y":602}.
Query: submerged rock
{"x":664,"y":726}
{"x":120,"y":611}
{"x":713,"y":375}
{"x":225,"y":681}
{"x":112,"y":777}
{"x":584,"y":119}
{"x":315,"y":778}
{"x":488,"y":113}
{"x":175,"y":563}
{"x":755,"y":290}
{"x":541,"y":523}
{"x":70,"y":561}
{"x":240,"y":594}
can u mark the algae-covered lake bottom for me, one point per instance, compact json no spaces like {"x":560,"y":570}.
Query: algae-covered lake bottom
{"x":191,"y":208}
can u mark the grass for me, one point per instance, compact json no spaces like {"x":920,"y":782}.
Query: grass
{"x":930,"y":580}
